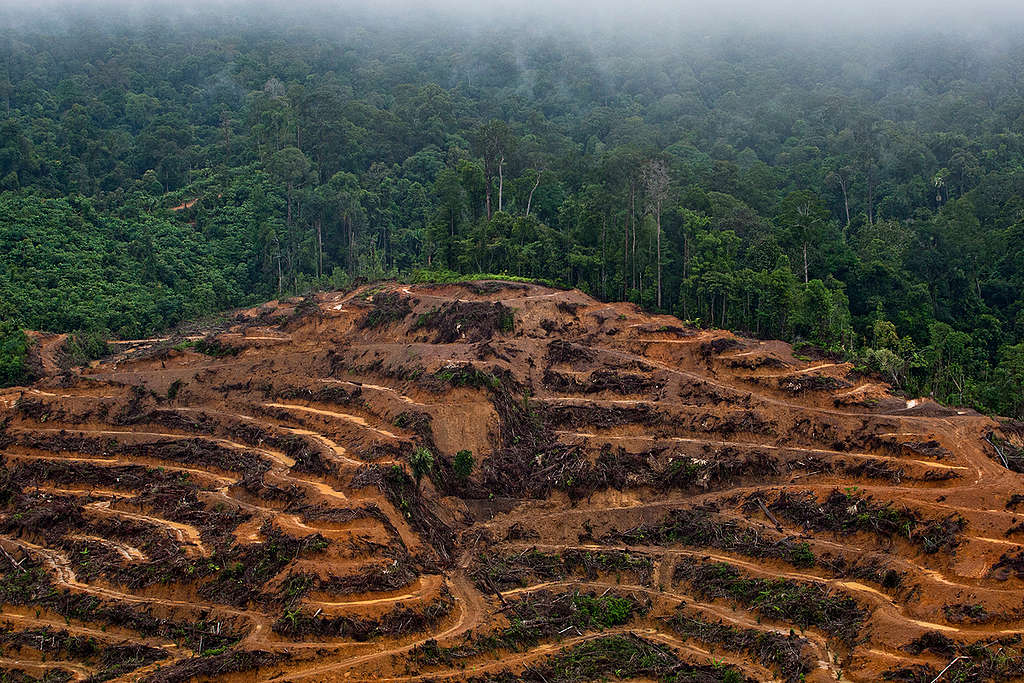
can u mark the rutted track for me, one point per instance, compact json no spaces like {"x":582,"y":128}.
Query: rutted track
{"x":256,"y":512}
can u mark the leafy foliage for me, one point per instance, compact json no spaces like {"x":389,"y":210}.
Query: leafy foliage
{"x":14,"y":345}
{"x":803,"y":191}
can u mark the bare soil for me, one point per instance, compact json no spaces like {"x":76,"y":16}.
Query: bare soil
{"x":645,"y":501}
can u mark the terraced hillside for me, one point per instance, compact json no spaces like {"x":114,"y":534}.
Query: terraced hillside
{"x":499,"y":481}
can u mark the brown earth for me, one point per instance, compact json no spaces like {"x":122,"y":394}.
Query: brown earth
{"x":647,"y":501}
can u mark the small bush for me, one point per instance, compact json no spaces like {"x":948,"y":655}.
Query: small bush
{"x":463,"y":464}
{"x":422,"y":462}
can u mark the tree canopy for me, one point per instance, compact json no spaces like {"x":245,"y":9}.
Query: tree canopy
{"x":866,"y":197}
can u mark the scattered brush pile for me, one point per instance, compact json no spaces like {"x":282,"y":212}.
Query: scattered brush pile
{"x":721,"y":467}
{"x":330,"y":395}
{"x":1008,"y":565}
{"x":755,"y":362}
{"x":999,"y":659}
{"x":529,"y":462}
{"x":378,"y":578}
{"x":1009,"y":454}
{"x":513,"y":472}
{"x":877,"y":469}
{"x":717,"y":347}
{"x":541,"y":470}
{"x":846,"y":512}
{"x":64,"y":473}
{"x":703,"y":527}
{"x":625,"y":657}
{"x":214,"y":665}
{"x":601,"y":416}
{"x":647,"y":414}
{"x":717,"y":467}
{"x":612,"y":381}
{"x":468,"y":321}
{"x":805,"y":604}
{"x":461,"y":375}
{"x":180,"y":503}
{"x":537,"y":616}
{"x":388,"y":307}
{"x":405,"y":495}
{"x":494,"y":572}
{"x":561,"y":351}
{"x":802,"y":383}
{"x":28,"y":583}
{"x":870,"y":567}
{"x":791,"y":657}
{"x":238,"y":575}
{"x":111,"y":661}
{"x":700,"y":392}
{"x":184,"y":450}
{"x":400,"y":620}
{"x":967,"y":614}
{"x":924,"y":449}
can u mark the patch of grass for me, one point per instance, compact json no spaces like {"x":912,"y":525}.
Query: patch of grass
{"x":444,"y":277}
{"x":467,"y":376}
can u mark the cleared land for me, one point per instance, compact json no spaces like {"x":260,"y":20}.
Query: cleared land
{"x":646,"y":501}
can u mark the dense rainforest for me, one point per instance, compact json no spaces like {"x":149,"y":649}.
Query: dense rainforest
{"x":862,"y":195}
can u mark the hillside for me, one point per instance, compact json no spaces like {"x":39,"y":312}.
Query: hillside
{"x":639,"y":499}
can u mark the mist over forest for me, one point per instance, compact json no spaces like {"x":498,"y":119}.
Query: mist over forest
{"x":849,"y":178}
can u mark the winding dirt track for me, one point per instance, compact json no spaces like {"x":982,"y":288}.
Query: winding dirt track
{"x":252,"y":516}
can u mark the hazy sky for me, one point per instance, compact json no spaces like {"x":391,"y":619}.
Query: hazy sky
{"x":817,"y":16}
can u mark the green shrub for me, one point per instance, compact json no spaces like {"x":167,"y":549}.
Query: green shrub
{"x":463,"y":464}
{"x":422,"y":462}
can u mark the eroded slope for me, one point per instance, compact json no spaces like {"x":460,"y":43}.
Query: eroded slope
{"x":646,"y":501}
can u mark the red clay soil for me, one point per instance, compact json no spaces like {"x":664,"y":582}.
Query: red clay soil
{"x":185,"y":205}
{"x":645,"y":501}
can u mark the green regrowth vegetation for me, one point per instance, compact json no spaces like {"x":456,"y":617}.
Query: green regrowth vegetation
{"x":784,"y":654}
{"x":503,"y":572}
{"x":421,"y":461}
{"x":462,"y":465}
{"x":467,"y":376}
{"x":436,"y":276}
{"x":209,"y":346}
{"x":996,"y":659}
{"x":387,"y":308}
{"x":703,"y":527}
{"x":804,"y":604}
{"x":618,"y":657}
{"x":848,"y":511}
{"x":537,"y":616}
